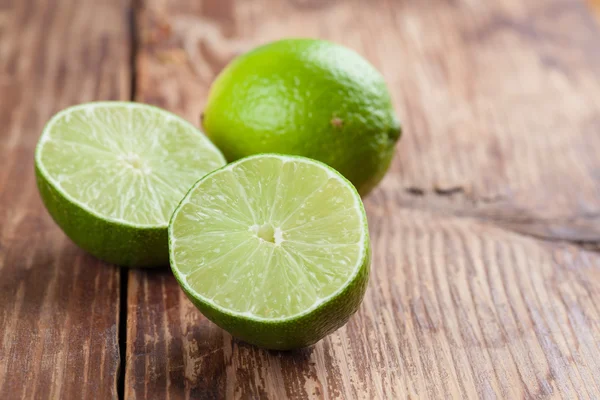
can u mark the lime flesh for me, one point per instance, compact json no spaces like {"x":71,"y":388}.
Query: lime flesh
{"x":272,"y":248}
{"x":112,"y":173}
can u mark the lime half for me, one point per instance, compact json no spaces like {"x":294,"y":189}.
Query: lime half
{"x":112,"y":173}
{"x":274,"y":249}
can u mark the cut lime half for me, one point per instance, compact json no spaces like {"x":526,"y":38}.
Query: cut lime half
{"x":112,"y":173}
{"x":274,"y":249}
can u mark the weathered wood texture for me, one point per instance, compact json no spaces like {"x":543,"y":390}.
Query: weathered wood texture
{"x":59,"y":307}
{"x":491,"y":94}
{"x":501,"y":105}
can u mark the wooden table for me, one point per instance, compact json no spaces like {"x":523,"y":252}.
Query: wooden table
{"x":486,"y":268}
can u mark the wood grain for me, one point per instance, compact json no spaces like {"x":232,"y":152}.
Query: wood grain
{"x":500,"y":105}
{"x":59,"y":307}
{"x":458,"y":309}
{"x":500,"y":102}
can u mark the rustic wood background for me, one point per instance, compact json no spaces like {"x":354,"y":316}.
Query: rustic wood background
{"x":486,"y":232}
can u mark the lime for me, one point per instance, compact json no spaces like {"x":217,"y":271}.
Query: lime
{"x":111,"y":174}
{"x":272,"y":248}
{"x":310,"y":98}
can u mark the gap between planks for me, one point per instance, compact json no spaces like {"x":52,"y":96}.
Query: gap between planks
{"x":124,"y":273}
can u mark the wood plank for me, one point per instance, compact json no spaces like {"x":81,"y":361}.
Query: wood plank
{"x":457,"y":309}
{"x":501,"y":113}
{"x":499,"y":106}
{"x":59,"y":308}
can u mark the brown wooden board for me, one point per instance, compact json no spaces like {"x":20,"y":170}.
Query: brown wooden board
{"x":485,"y":278}
{"x":59,"y":307}
{"x":475,"y":291}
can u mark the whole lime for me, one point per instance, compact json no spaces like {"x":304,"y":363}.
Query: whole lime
{"x":310,"y":98}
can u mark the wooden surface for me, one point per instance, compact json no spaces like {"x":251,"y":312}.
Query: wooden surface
{"x":501,"y":112}
{"x":59,"y":307}
{"x":486,"y":272}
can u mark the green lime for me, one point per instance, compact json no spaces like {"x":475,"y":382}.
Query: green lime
{"x":272,"y":248}
{"x":310,"y":98}
{"x":111,"y":174}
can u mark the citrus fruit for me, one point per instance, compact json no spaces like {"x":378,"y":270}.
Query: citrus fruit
{"x":272,"y":248}
{"x":305,"y":97}
{"x":111,"y":174}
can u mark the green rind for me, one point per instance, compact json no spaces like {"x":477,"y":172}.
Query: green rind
{"x":294,"y":333}
{"x":127,"y":245}
{"x":110,"y":241}
{"x":289,"y":333}
{"x":284,"y":97}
